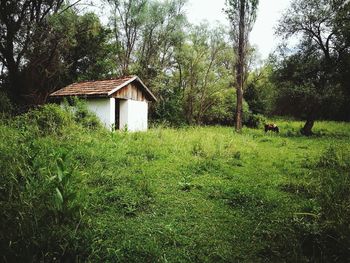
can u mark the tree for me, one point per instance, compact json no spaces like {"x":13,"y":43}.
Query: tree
{"x":260,"y":90}
{"x":19,"y":21}
{"x":146,"y":33}
{"x":73,"y":48}
{"x":342,"y":42}
{"x":197,"y":84}
{"x":242,"y":15}
{"x":88,"y":53}
{"x":315,"y":23}
{"x":128,"y":18}
{"x":147,"y":36}
{"x":162,"y":34}
{"x":304,"y":90}
{"x":203,"y":72}
{"x":46,"y":44}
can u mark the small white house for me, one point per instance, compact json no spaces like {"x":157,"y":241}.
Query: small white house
{"x":121,"y":103}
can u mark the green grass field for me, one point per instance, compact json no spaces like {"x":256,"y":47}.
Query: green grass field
{"x":196,"y":194}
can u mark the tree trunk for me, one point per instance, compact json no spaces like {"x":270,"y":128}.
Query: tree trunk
{"x":240,"y":67}
{"x":239,"y":109}
{"x":16,"y":89}
{"x":307,"y":129}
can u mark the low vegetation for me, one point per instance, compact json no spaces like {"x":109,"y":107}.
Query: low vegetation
{"x":71,"y":191}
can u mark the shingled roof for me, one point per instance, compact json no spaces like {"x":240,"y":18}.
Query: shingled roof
{"x":99,"y":88}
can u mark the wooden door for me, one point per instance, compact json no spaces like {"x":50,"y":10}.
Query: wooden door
{"x":117,"y":114}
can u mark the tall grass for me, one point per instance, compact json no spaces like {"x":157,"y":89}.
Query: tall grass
{"x":71,"y":191}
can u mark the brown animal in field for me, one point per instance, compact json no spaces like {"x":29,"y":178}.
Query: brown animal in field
{"x":271,"y":127}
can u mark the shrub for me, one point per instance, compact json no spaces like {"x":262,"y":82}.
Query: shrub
{"x":82,"y":115}
{"x":224,"y":110}
{"x":5,"y":104}
{"x":47,"y":119}
{"x":254,"y":120}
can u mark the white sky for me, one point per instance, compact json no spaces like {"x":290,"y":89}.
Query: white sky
{"x":262,"y":36}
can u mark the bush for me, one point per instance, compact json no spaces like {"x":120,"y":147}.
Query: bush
{"x":47,"y":119}
{"x":254,"y":120}
{"x":5,"y":103}
{"x":82,"y":115}
{"x":224,"y":110}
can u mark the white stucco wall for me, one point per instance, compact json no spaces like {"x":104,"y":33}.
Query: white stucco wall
{"x":133,"y":115}
{"x":123,"y":114}
{"x":104,"y":108}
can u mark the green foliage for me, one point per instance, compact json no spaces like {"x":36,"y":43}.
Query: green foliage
{"x":309,"y":79}
{"x":260,"y":91}
{"x":5,"y":104}
{"x":223,"y":111}
{"x":145,"y":34}
{"x":255,"y":121}
{"x":60,"y":47}
{"x":204,"y":76}
{"x":168,"y":109}
{"x":87,"y":53}
{"x":303,"y":89}
{"x":44,"y":120}
{"x":232,"y":10}
{"x":81,"y":114}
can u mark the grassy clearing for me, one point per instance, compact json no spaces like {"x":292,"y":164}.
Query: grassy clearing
{"x":196,"y":194}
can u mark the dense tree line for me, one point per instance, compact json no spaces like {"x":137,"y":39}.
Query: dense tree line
{"x":44,"y":45}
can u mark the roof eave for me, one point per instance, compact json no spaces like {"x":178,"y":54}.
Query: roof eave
{"x":53,"y":96}
{"x":106,"y":95}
